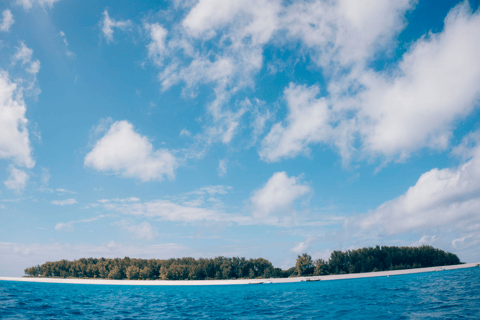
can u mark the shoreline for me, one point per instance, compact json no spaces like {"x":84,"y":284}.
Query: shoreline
{"x":239,"y":281}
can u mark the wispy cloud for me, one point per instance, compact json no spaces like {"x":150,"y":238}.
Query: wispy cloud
{"x":108,"y":25}
{"x":68,"y":226}
{"x":143,"y":230}
{"x":64,"y":202}
{"x":17,"y":179}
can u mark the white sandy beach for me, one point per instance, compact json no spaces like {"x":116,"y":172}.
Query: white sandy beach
{"x":242,"y":281}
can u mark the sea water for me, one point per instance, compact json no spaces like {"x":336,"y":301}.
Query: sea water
{"x":437,"y":295}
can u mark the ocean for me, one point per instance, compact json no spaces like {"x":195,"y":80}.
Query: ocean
{"x":451,"y":294}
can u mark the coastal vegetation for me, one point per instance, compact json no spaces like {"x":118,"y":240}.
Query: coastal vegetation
{"x":351,"y":261}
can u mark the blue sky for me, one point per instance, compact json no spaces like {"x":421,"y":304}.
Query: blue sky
{"x":237,"y":128}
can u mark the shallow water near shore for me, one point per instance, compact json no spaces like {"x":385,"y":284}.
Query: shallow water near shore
{"x":434,"y":295}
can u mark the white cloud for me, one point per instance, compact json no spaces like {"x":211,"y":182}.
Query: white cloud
{"x":64,"y":39}
{"x":441,"y":198}
{"x":45,"y":177}
{"x":172,"y":211}
{"x":63,"y":226}
{"x":466,"y":149}
{"x":436,"y":84}
{"x":156,"y":48}
{"x":27,"y":4}
{"x":459,"y":241}
{"x":212,"y":190}
{"x":185,"y":133}
{"x":303,"y":246}
{"x":131,"y":199}
{"x":7,"y":21}
{"x":257,"y":19}
{"x":222,"y":167}
{"x":141,"y":231}
{"x":425,"y":240}
{"x":277,"y":196}
{"x":196,"y":206}
{"x":17,"y":179}
{"x":307,"y":122}
{"x":23,"y":54}
{"x":31,"y":67}
{"x":61,"y":190}
{"x":129,"y":154}
{"x":260,"y":116}
{"x":344,"y":32}
{"x":68,"y":226}
{"x":14,"y":139}
{"x":230,"y":65}
{"x":108,"y":24}
{"x":64,"y":202}
{"x":390,"y":114}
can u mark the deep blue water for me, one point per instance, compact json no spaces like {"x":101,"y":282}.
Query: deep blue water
{"x":438,"y":295}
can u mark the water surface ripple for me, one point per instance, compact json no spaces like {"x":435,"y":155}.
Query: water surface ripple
{"x":435,"y":295}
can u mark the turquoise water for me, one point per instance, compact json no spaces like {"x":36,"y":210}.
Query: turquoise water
{"x":437,"y":295}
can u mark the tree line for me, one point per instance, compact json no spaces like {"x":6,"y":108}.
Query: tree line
{"x":351,"y":261}
{"x":375,"y":259}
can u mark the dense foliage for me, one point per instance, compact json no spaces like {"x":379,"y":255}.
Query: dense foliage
{"x":351,"y":261}
{"x":172,"y":269}
{"x":375,"y":259}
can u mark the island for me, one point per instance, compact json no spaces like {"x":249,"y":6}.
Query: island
{"x":365,"y":260}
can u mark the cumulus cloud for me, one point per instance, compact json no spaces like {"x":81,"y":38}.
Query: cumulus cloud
{"x":307,"y":122}
{"x":108,"y":24}
{"x":390,"y":114}
{"x":28,"y":4}
{"x":143,"y":230}
{"x":342,"y":33}
{"x":345,"y":32}
{"x":14,"y":138}
{"x":441,"y":198}
{"x":17,"y":179}
{"x":7,"y":21}
{"x":435,"y":85}
{"x":64,"y":202}
{"x":257,"y":19}
{"x":277,"y":196}
{"x":127,"y":153}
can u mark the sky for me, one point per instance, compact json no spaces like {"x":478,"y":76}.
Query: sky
{"x":251,"y":128}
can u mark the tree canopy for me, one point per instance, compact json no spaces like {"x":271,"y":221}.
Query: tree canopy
{"x":351,"y":261}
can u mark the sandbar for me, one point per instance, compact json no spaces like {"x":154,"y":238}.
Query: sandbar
{"x":238,"y":281}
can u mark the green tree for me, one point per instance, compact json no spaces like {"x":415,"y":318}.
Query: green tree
{"x":132,"y":272}
{"x":321,"y":267}
{"x":304,"y":265}
{"x":115,"y":273}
